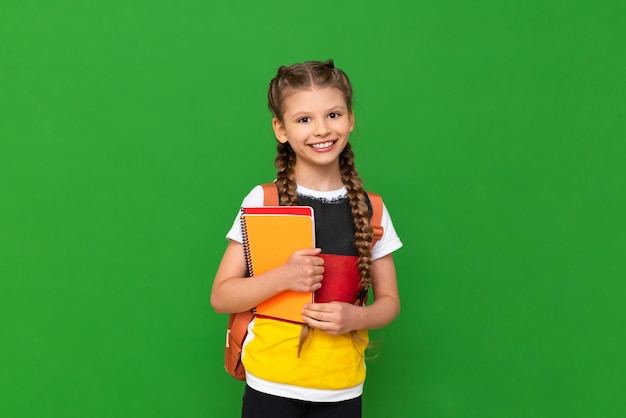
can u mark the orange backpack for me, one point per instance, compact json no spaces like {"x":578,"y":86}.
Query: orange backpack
{"x":238,"y":322}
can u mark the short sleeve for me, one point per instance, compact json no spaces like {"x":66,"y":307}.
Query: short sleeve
{"x":390,"y":241}
{"x":254,"y":198}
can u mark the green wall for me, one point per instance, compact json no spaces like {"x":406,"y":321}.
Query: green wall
{"x":130,"y":131}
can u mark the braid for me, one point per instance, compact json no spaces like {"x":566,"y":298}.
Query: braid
{"x":363,"y":233}
{"x":285,"y":162}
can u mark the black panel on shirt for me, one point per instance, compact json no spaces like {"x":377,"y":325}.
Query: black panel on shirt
{"x":334,"y":227}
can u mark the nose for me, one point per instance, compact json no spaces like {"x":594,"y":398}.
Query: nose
{"x":322,"y":128}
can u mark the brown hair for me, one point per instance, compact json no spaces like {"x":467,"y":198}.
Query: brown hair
{"x":322,"y":74}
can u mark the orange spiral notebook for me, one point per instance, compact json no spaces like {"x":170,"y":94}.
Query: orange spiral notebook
{"x":271,"y":234}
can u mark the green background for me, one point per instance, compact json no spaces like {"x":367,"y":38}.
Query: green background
{"x":130,"y":131}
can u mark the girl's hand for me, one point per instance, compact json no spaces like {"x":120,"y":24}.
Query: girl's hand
{"x":304,"y":270}
{"x":333,"y":318}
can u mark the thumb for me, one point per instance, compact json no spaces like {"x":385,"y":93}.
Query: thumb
{"x":310,"y":251}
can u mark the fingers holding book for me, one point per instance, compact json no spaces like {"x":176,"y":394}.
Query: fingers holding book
{"x":304,"y":270}
{"x":333,"y":318}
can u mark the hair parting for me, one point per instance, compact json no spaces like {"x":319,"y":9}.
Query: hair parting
{"x":306,"y":75}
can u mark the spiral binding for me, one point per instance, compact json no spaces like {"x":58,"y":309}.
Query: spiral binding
{"x":246,"y":242}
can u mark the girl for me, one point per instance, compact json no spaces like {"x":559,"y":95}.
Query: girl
{"x":315,"y":370}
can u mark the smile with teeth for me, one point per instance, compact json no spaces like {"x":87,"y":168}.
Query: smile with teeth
{"x":323,"y":145}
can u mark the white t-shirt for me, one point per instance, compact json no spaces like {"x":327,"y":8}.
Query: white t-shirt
{"x":388,"y":243}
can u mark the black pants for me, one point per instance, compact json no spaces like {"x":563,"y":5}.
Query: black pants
{"x":261,"y":405}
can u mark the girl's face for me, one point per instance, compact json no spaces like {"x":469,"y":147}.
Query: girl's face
{"x":316,"y":123}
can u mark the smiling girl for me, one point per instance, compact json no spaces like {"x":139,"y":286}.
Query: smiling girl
{"x":317,"y":371}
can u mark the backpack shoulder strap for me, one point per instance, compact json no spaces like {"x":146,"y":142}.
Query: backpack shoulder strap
{"x":377,"y":215}
{"x":270,"y":194}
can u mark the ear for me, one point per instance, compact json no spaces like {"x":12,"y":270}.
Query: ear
{"x":279,"y":130}
{"x":351,"y":116}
